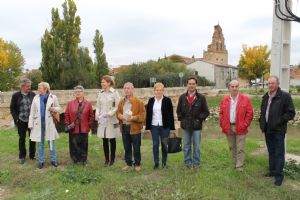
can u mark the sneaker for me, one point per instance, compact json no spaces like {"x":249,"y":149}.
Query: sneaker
{"x":126,"y":168}
{"x":164,"y":165}
{"x":41,"y":165}
{"x":22,"y":161}
{"x":32,"y":158}
{"x":189,"y":166}
{"x":138,"y":168}
{"x":156,"y":166}
{"x":84,"y":163}
{"x":106,"y":163}
{"x":54,"y":163}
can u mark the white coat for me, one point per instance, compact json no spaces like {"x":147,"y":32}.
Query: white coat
{"x":107,"y":103}
{"x":34,"y":122}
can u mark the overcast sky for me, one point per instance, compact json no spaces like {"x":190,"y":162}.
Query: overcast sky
{"x":139,"y":30}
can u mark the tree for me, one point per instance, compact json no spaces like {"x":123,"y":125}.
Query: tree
{"x":3,"y":54}
{"x":101,"y":65}
{"x":35,"y":76}
{"x":176,"y":59}
{"x":64,"y":63}
{"x":164,"y":71}
{"x":254,"y":62}
{"x":11,"y":63}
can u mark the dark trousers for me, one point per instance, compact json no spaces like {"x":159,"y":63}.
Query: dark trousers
{"x":276,"y":149}
{"x":78,"y":147}
{"x":112,"y":142}
{"x":129,"y":142}
{"x":159,"y":132}
{"x":22,"y":129}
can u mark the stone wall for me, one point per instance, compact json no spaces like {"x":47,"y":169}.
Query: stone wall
{"x":66,"y":95}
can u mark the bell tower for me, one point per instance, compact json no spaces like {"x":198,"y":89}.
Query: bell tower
{"x":216,"y":51}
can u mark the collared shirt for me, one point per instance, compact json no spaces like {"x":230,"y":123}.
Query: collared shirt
{"x":157,"y":116}
{"x":127,"y":110}
{"x":191,"y":97}
{"x":233,"y":103}
{"x":25,"y":105}
{"x":271,"y":95}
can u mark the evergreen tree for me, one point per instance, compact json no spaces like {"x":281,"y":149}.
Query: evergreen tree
{"x":101,"y":66}
{"x":64,"y":63}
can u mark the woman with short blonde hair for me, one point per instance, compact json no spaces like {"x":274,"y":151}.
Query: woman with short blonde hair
{"x":41,"y":122}
{"x":160,"y":120}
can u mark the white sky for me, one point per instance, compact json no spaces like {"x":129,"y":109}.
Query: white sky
{"x":139,"y":30}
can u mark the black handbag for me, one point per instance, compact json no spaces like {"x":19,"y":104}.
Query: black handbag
{"x":174,"y":144}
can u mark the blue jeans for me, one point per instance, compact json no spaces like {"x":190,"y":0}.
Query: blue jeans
{"x":41,"y":156}
{"x":190,"y":138}
{"x":276,"y":149}
{"x":129,"y":142}
{"x":163,"y":133}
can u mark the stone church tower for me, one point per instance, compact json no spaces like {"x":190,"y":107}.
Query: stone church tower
{"x":216,"y":51}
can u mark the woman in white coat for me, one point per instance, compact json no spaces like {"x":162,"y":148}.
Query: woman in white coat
{"x":108,"y":125}
{"x":41,"y":122}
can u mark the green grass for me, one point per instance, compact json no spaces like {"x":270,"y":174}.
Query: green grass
{"x":214,"y":180}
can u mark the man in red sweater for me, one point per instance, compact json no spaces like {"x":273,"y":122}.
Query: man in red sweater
{"x":236,"y":114}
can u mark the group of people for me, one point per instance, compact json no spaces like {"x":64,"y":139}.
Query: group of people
{"x":126,"y":117}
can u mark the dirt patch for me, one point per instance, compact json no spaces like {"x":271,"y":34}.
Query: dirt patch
{"x":262,"y":150}
{"x":4,"y":193}
{"x":294,"y":186}
{"x":289,"y":156}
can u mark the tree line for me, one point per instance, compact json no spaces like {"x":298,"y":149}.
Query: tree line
{"x":65,"y":63}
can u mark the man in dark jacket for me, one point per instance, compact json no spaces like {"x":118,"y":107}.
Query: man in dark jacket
{"x":191,"y":111}
{"x":277,"y":109}
{"x":20,"y":109}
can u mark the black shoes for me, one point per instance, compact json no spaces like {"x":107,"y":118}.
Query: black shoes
{"x":278,"y":182}
{"x":54,"y":163}
{"x":111,"y":163}
{"x":41,"y":165}
{"x":22,"y":161}
{"x":156,"y":166}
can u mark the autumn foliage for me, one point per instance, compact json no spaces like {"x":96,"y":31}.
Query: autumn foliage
{"x":11,"y":63}
{"x":254,"y":62}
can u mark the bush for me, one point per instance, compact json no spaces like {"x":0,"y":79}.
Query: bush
{"x":292,"y":169}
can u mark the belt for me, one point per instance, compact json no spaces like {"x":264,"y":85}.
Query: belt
{"x":232,"y":123}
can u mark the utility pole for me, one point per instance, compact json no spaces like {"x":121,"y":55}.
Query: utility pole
{"x":281,"y":43}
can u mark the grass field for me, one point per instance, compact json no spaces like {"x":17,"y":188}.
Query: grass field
{"x":256,"y":101}
{"x":215,"y":179}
